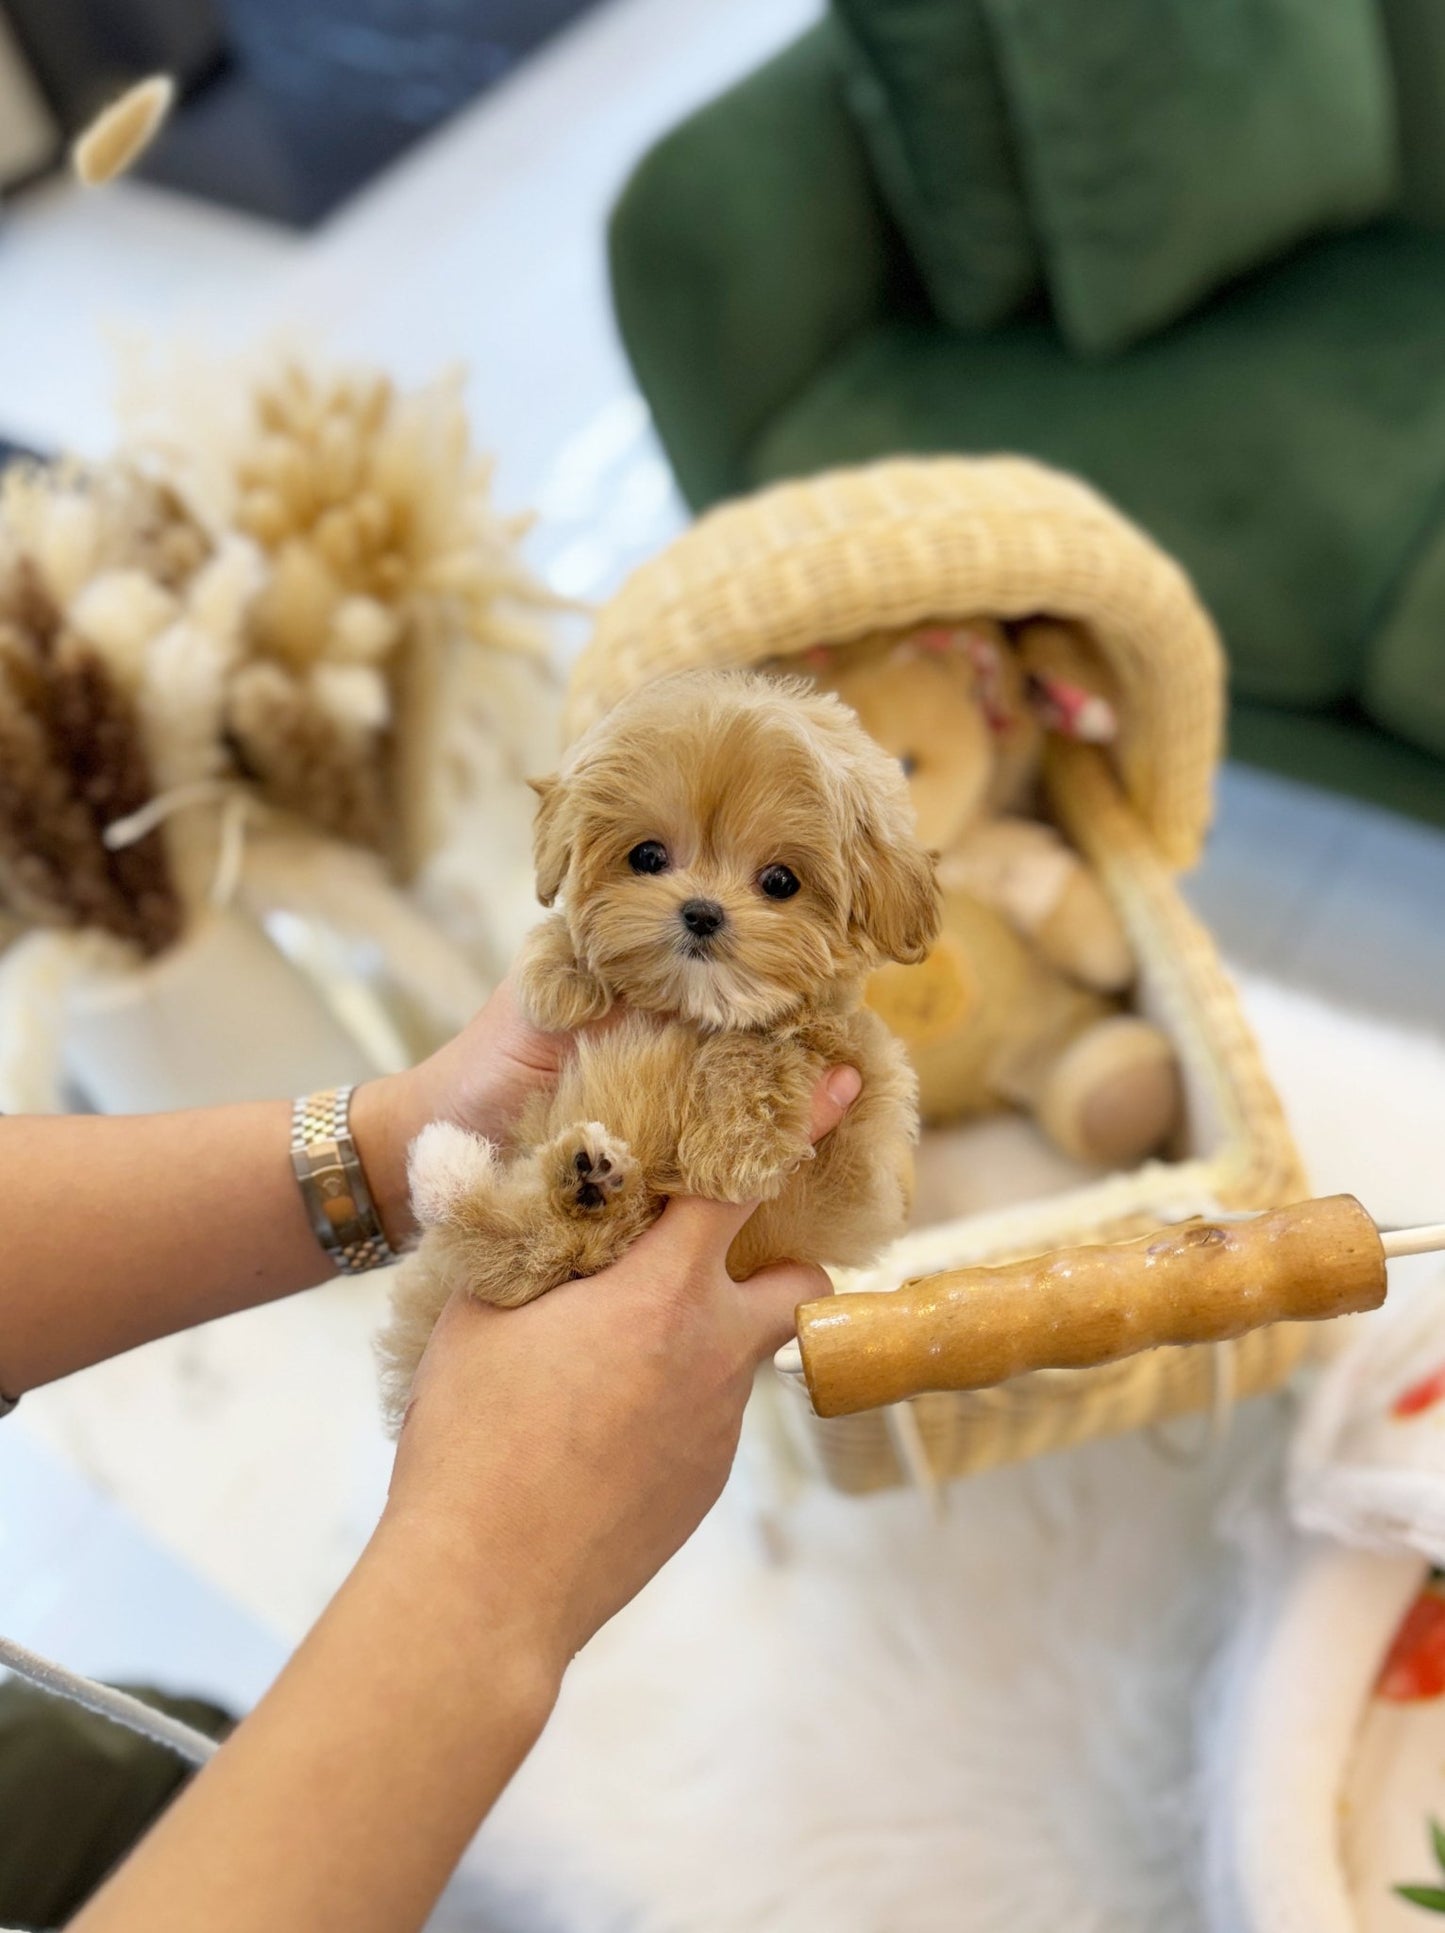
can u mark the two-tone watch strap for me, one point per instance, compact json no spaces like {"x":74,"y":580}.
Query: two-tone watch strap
{"x":333,"y":1185}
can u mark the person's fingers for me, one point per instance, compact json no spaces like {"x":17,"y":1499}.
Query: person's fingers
{"x":770,"y":1299}
{"x":692,"y":1226}
{"x":832,"y":1098}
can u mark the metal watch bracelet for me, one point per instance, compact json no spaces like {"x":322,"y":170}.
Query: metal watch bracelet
{"x":333,"y":1184}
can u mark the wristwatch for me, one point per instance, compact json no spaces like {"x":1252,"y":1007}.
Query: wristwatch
{"x":333,"y":1184}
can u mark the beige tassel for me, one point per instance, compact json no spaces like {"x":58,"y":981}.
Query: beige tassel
{"x":121,"y":133}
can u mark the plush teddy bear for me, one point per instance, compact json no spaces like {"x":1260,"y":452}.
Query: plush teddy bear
{"x":1020,"y":1001}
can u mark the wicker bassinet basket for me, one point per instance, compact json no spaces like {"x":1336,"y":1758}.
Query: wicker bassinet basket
{"x":862,"y":551}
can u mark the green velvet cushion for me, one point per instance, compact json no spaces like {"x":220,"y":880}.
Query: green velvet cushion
{"x":1415,"y":32}
{"x":1287,"y":443}
{"x":1404,"y":686}
{"x":923,"y":83}
{"x":1170,"y":145}
{"x":746,"y":247}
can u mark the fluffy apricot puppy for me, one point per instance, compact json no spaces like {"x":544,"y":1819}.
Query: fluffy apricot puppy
{"x":732,"y":855}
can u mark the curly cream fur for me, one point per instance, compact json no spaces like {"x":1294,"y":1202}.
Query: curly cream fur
{"x":705,"y":1086}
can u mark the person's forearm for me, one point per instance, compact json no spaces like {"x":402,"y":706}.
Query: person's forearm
{"x":121,"y":1229}
{"x":553,"y":1458}
{"x":347,"y":1797}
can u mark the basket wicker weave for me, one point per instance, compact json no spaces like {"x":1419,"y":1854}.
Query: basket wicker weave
{"x":862,"y":551}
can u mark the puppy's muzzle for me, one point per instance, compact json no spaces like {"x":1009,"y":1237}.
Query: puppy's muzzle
{"x":703,"y":920}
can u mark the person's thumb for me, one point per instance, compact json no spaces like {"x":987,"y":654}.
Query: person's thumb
{"x":832,"y":1098}
{"x":770,"y":1300}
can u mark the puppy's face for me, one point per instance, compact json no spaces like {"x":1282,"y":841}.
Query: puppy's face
{"x":726,"y":846}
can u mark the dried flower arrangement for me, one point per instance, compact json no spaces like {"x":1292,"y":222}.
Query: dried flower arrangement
{"x":73,"y":753}
{"x":289,"y":600}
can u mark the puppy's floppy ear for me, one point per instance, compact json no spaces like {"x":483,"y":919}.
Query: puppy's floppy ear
{"x":894,"y":910}
{"x":895,"y":892}
{"x":551,"y":836}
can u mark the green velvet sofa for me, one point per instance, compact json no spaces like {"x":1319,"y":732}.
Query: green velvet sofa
{"x":1286,"y":440}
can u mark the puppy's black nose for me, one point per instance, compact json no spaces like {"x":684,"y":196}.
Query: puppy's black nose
{"x":701,"y":916}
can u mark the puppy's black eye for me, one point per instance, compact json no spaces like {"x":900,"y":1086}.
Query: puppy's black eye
{"x":778,"y":882}
{"x":649,"y":857}
{"x":909,"y":764}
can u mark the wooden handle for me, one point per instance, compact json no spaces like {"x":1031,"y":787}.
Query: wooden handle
{"x":1078,"y":1307}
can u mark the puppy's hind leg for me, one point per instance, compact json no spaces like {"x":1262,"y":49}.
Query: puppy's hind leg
{"x":482,"y":1221}
{"x":507,"y":1234}
{"x":447,"y":1169}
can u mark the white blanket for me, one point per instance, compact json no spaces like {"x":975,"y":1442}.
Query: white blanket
{"x":1013,"y":1720}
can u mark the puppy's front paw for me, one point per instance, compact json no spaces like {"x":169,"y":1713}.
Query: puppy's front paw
{"x":556,"y":993}
{"x":445,"y":1166}
{"x":589,"y":1171}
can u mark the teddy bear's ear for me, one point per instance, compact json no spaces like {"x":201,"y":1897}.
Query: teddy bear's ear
{"x":896,"y":907}
{"x":552,"y":836}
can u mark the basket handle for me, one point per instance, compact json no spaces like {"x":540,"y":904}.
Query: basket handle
{"x":1196,"y":1282}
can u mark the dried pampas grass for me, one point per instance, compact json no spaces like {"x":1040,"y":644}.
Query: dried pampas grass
{"x":305,"y":758}
{"x":64,"y":525}
{"x":183,"y":698}
{"x":51,"y":873}
{"x":385,"y":555}
{"x":121,"y":133}
{"x":291,"y":591}
{"x":97,"y":737}
{"x":380,"y":490}
{"x":365,"y":498}
{"x":118,"y":614}
{"x":72,"y":761}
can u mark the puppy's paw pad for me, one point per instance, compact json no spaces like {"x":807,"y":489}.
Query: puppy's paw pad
{"x":599,"y":1169}
{"x":445,"y":1165}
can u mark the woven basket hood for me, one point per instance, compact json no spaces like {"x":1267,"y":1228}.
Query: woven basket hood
{"x":892,"y":544}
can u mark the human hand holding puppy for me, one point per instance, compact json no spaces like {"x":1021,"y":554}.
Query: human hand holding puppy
{"x":732,"y":856}
{"x":650,"y":1365}
{"x":479,"y":1081}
